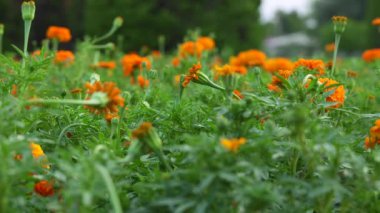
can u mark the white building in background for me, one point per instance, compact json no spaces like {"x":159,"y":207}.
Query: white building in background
{"x":289,"y":44}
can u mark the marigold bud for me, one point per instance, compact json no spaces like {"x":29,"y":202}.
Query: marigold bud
{"x":28,"y":10}
{"x":340,"y":23}
{"x":2,"y":29}
{"x":118,"y":22}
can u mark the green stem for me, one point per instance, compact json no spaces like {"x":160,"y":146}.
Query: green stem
{"x":64,"y":101}
{"x":111,"y":188}
{"x":1,"y":43}
{"x":107,"y":35}
{"x":55,"y":45}
{"x":68,"y":127}
{"x":27,"y":26}
{"x":337,"y":41}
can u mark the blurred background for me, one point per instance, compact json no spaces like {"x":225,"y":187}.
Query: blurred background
{"x":278,"y":27}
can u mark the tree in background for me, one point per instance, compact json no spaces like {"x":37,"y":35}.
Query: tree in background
{"x":235,"y":23}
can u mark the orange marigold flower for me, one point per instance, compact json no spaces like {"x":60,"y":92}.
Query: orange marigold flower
{"x":106,"y":65}
{"x":113,"y":96}
{"x":14,"y":90}
{"x":76,"y":91}
{"x":283,"y":73}
{"x":311,"y":65}
{"x":233,"y":144}
{"x":229,"y":70}
{"x":143,"y":130}
{"x":238,"y":94}
{"x":156,"y":54}
{"x":273,"y":87}
{"x":276,"y":64}
{"x":190,"y":48}
{"x":339,"y":94}
{"x":207,"y":43}
{"x":133,"y":61}
{"x":62,"y":34}
{"x":142,"y":81}
{"x":193,"y":74}
{"x":352,"y":74}
{"x":249,"y":58}
{"x":37,"y":151}
{"x":330,"y":47}
{"x":44,"y":188}
{"x":64,"y":57}
{"x":371,"y":55}
{"x":376,"y":21}
{"x":176,"y":62}
{"x":369,"y":143}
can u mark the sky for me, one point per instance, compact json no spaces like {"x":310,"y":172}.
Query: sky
{"x":268,"y":8}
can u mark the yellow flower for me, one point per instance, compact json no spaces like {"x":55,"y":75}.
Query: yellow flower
{"x":233,"y":144}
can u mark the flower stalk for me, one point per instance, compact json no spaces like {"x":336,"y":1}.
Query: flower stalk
{"x":117,"y":23}
{"x":340,"y":23}
{"x":1,"y":37}
{"x":28,"y":10}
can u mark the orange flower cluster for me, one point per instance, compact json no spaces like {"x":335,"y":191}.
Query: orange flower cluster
{"x":176,"y":61}
{"x":143,"y":83}
{"x":311,"y":65}
{"x":339,"y":94}
{"x":64,"y":57}
{"x":229,"y":70}
{"x":114,"y":98}
{"x":193,"y":74}
{"x":274,"y":86}
{"x":143,"y":130}
{"x":249,"y":58}
{"x":196,"y":48}
{"x":133,"y":61}
{"x":374,"y":136}
{"x":371,"y":55}
{"x":276,"y":64}
{"x":233,"y":144}
{"x":330,"y":47}
{"x":110,"y":65}
{"x":44,"y":188}
{"x":62,"y":34}
{"x":376,"y":21}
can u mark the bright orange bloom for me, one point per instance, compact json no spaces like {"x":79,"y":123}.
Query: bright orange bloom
{"x":229,"y":70}
{"x":37,"y":151}
{"x":193,"y":74}
{"x":133,"y":61}
{"x":176,"y":61}
{"x":274,"y":87}
{"x":142,"y":130}
{"x":249,"y":58}
{"x":14,"y":90}
{"x":238,"y":94}
{"x":207,"y":43}
{"x":142,"y":81}
{"x":376,"y":21}
{"x":233,"y":144}
{"x":283,"y":73}
{"x":276,"y":64}
{"x":110,"y":65}
{"x":311,"y":65}
{"x":374,"y":136}
{"x":156,"y":54}
{"x":44,"y":188}
{"x":190,"y":48}
{"x":330,"y":47}
{"x":339,"y":94}
{"x":62,"y":34}
{"x":352,"y":74}
{"x":371,"y":55}
{"x":64,"y":57}
{"x":113,"y":95}
{"x":76,"y":91}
